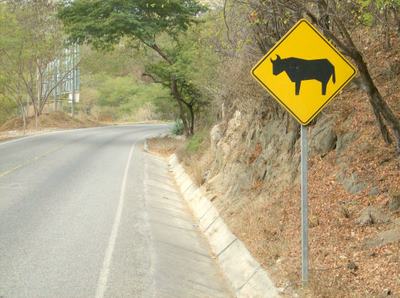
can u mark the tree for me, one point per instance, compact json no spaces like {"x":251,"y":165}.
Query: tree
{"x":105,"y":23}
{"x":11,"y":87}
{"x":336,"y":19}
{"x":113,"y":85}
{"x":386,"y":13}
{"x":339,"y":33}
{"x":32,"y":51}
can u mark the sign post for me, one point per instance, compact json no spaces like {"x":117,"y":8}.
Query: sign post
{"x":304,"y":204}
{"x":303,"y":71}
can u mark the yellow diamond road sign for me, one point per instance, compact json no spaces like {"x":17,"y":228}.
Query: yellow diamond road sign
{"x":303,"y":71}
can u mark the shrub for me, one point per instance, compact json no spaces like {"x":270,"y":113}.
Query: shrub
{"x":177,"y":129}
{"x":194,"y":143}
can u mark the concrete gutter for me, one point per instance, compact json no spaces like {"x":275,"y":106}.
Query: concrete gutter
{"x":145,"y":146}
{"x":245,"y":275}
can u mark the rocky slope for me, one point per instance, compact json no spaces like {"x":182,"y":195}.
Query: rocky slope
{"x":251,"y":172}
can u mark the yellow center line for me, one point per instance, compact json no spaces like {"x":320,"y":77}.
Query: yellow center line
{"x":31,"y":161}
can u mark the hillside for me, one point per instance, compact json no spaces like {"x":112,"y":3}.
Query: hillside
{"x":250,"y":168}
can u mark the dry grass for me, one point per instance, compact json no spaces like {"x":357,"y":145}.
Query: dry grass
{"x":268,"y":220}
{"x":196,"y":161}
{"x":164,"y":146}
{"x":51,"y":120}
{"x":196,"y":166}
{"x":168,"y":145}
{"x":13,"y":128}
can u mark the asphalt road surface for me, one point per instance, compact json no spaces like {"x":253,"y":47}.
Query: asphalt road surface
{"x":87,"y":213}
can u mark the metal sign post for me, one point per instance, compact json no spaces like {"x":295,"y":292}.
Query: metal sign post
{"x":315,"y":72}
{"x":304,"y":205}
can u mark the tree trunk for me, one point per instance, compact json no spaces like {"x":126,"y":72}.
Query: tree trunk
{"x":381,"y":109}
{"x":36,"y":120}
{"x":23,"y":114}
{"x":55,"y":103}
{"x":191,"y":127}
{"x":323,"y":16}
{"x":386,"y":27}
{"x":183,"y":118}
{"x":396,"y":16}
{"x":382,"y":127}
{"x":178,"y":98}
{"x":188,"y":124}
{"x":37,"y":115}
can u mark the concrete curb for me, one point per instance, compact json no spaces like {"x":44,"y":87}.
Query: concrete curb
{"x":243,"y":272}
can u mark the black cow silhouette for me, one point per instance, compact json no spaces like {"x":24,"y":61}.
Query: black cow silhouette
{"x":300,"y":70}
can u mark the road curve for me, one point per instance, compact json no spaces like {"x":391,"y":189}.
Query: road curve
{"x":87,"y":213}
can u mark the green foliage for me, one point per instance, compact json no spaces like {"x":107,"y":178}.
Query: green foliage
{"x":8,"y":109}
{"x":195,"y":64}
{"x":146,"y":95}
{"x":177,"y":129}
{"x":370,"y":10}
{"x":160,"y":98}
{"x":104,"y":22}
{"x":31,"y":38}
{"x":194,"y":143}
{"x":9,"y":39}
{"x":380,"y":3}
{"x":123,"y":97}
{"x":196,"y":60}
{"x":122,"y":61}
{"x":116,"y":92}
{"x":112,"y":84}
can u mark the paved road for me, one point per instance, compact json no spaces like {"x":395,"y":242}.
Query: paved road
{"x":87,"y":213}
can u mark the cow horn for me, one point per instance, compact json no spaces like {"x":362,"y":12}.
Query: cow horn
{"x":278,"y":57}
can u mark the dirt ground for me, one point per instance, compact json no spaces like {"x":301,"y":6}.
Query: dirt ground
{"x":341,"y":264}
{"x":13,"y":128}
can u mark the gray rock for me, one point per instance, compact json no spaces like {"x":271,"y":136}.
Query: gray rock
{"x":394,"y":259}
{"x":374,"y":192}
{"x":344,"y":140}
{"x":216,"y":134}
{"x":352,"y":266}
{"x":372,"y":215}
{"x":323,"y":139}
{"x":394,"y":203}
{"x":344,"y":211}
{"x":383,"y":238}
{"x":387,"y":292}
{"x":351,"y":183}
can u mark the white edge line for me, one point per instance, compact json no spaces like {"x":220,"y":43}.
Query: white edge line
{"x":103,"y":277}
